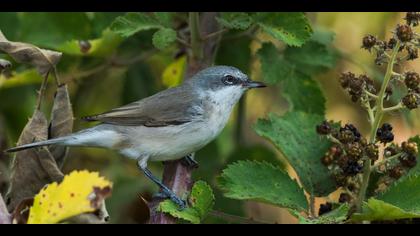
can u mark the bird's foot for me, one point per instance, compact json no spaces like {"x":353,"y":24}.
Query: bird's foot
{"x":189,"y":161}
{"x":171,"y":195}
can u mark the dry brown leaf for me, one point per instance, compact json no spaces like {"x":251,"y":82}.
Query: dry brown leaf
{"x":32,"y":169}
{"x":44,"y":60}
{"x":61,"y":123}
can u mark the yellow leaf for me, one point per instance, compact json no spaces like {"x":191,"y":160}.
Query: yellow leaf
{"x":174,"y":72}
{"x":79,"y":192}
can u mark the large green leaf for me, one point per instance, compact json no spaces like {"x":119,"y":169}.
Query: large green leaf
{"x":235,"y":20}
{"x":132,"y":23}
{"x":261,"y":181}
{"x":201,"y":200}
{"x":379,"y":210}
{"x":302,"y":92}
{"x":163,"y":38}
{"x":293,"y":28}
{"x":294,"y":135}
{"x":336,"y":216}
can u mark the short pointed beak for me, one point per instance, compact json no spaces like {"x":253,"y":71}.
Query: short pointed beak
{"x":255,"y":84}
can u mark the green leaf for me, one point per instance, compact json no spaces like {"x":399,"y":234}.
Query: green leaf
{"x":263,"y":182}
{"x":336,"y":216}
{"x":132,"y":23}
{"x":404,"y":193}
{"x":273,"y":66}
{"x":165,"y":18}
{"x":100,"y":47}
{"x":302,"y":92}
{"x":235,"y":20}
{"x":201,"y":200}
{"x":379,"y":210}
{"x":294,"y":135}
{"x":163,"y":38}
{"x":293,"y":28}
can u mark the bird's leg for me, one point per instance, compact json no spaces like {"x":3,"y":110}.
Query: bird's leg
{"x":165,"y":190}
{"x":189,"y":161}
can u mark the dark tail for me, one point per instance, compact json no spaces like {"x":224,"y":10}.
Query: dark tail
{"x":37,"y":144}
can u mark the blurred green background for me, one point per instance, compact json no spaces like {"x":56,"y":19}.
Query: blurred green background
{"x":106,"y":76}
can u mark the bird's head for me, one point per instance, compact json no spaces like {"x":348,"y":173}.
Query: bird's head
{"x":226,"y":81}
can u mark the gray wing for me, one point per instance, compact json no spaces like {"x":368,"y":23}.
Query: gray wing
{"x":173,"y":106}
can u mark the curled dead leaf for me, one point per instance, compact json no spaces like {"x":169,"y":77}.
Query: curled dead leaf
{"x":61,"y":123}
{"x":44,"y":60}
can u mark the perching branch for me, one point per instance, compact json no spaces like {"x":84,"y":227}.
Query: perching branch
{"x":176,"y":175}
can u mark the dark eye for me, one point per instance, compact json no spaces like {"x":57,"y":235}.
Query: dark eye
{"x":229,"y":80}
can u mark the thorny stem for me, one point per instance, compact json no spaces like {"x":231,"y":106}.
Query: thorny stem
{"x":375,"y":125}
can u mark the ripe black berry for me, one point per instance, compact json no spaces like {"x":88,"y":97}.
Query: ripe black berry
{"x":353,"y":130}
{"x":412,"y":80}
{"x":412,"y":18}
{"x":352,"y":168}
{"x":404,"y":33}
{"x":344,"y":197}
{"x":324,"y":128}
{"x":411,"y":101}
{"x":368,"y":42}
{"x":384,"y":133}
{"x":324,"y":208}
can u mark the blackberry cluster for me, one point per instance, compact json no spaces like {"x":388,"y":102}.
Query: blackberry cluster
{"x":384,"y":134}
{"x":356,"y":85}
{"x":412,"y":82}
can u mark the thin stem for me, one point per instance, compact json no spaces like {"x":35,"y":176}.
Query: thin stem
{"x":183,"y":42}
{"x":393,"y":108}
{"x":312,"y":205}
{"x":371,"y":94}
{"x":384,"y":161}
{"x":42,"y":91}
{"x":214,"y":34}
{"x":194,"y":24}
{"x":378,"y":118}
{"x":56,"y":77}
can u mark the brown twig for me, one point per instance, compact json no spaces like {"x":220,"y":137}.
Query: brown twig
{"x":176,"y":175}
{"x":42,"y":91}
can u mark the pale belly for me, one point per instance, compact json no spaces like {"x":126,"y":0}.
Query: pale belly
{"x":173,"y":142}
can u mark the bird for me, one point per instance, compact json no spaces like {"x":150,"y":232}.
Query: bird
{"x":168,"y":125}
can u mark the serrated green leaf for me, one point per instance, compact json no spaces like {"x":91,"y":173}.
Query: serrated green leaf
{"x":293,"y":28}
{"x":302,"y":92}
{"x":263,"y":182}
{"x":336,"y":216}
{"x":132,"y":23}
{"x":165,"y":18}
{"x":376,"y":209}
{"x":273,"y":66}
{"x":294,"y":135}
{"x":163,"y":38}
{"x":235,"y":20}
{"x":404,"y":193}
{"x":201,"y":200}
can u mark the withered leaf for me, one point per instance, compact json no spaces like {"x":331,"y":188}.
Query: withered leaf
{"x":61,"y":123}
{"x":33,"y":168}
{"x":44,"y":60}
